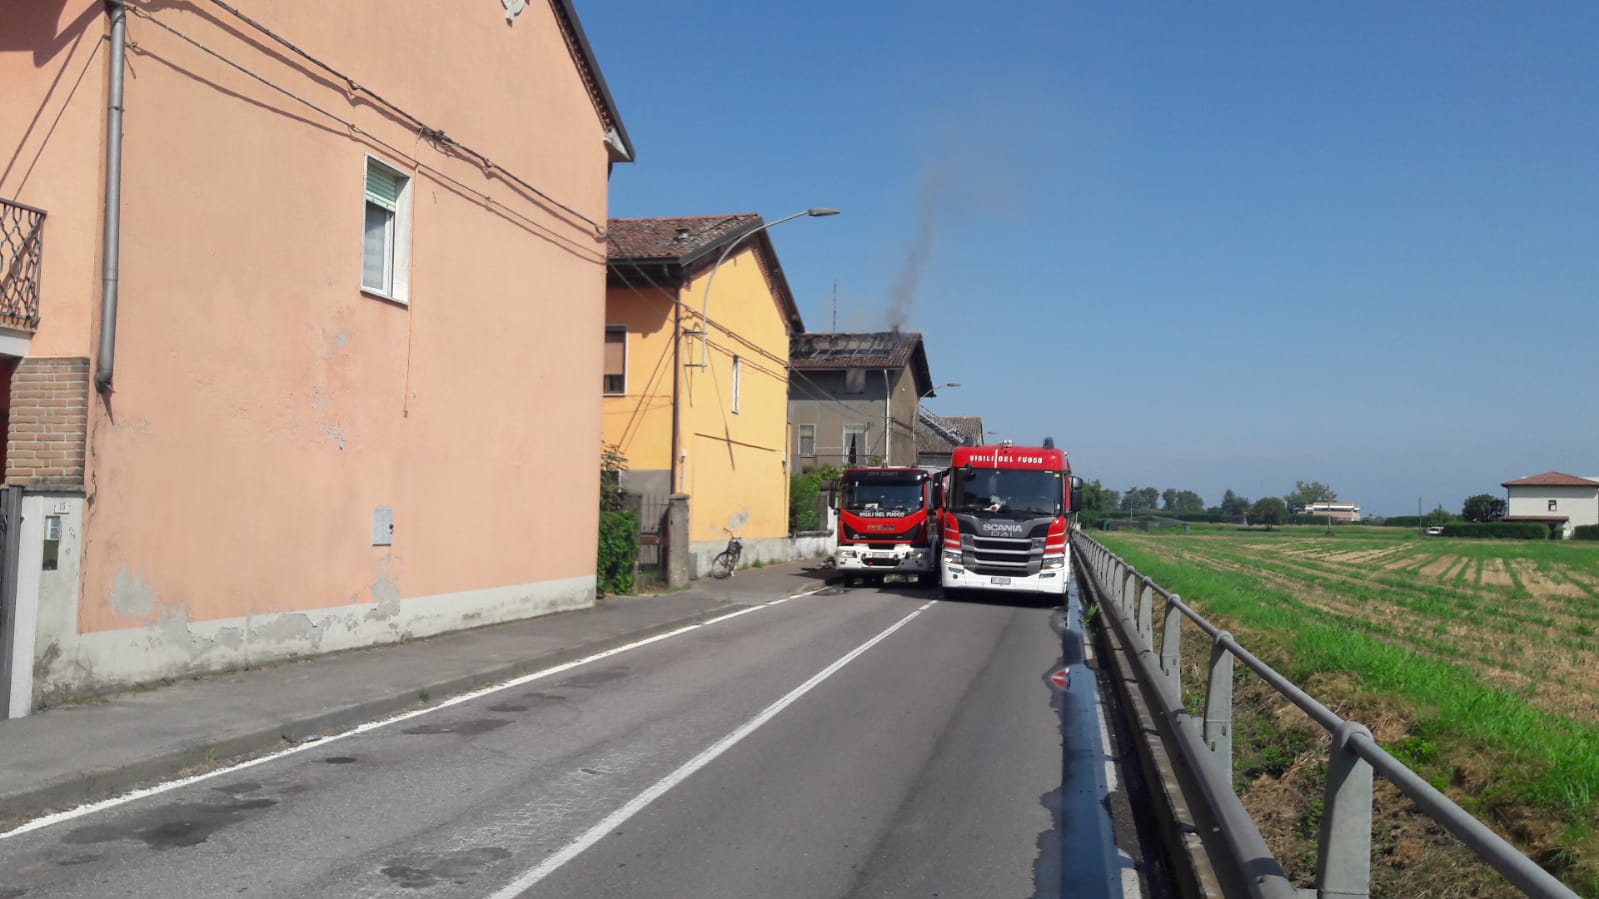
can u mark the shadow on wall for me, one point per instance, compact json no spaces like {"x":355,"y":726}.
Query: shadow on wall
{"x":36,"y":25}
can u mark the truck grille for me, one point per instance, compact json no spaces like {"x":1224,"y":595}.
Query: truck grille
{"x":1013,"y":556}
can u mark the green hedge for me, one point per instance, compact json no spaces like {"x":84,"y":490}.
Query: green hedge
{"x":1401,"y":521}
{"x":618,"y":551}
{"x":1586,"y":532}
{"x":1498,"y":530}
{"x":803,"y":511}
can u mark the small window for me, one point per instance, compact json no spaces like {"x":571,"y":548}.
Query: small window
{"x":807,"y":440}
{"x":855,"y":380}
{"x":615,"y":360}
{"x":738,"y":365}
{"x":854,"y":444}
{"x":386,"y":239}
{"x":1553,"y":504}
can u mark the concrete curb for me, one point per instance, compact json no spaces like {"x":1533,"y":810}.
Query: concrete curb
{"x":84,"y":787}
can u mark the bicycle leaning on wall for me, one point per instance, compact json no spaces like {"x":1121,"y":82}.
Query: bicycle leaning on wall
{"x":727,"y":560}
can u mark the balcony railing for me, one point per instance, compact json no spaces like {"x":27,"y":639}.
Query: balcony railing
{"x":21,"y":249}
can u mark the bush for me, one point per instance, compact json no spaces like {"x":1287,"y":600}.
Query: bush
{"x":802,"y":512}
{"x":1498,"y":530}
{"x":1586,"y":532}
{"x":618,"y":551}
{"x":804,"y":498}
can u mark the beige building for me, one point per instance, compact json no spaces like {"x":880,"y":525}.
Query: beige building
{"x":1561,"y":501}
{"x":309,"y":286}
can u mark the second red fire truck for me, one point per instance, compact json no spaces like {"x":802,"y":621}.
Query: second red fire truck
{"x":886,"y":522}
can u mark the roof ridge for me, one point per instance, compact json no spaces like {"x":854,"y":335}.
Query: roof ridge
{"x":680,"y":218}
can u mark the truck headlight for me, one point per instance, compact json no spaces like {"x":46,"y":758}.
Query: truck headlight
{"x":1052,"y":563}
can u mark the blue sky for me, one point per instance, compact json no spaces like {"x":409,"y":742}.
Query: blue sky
{"x":1204,"y":246}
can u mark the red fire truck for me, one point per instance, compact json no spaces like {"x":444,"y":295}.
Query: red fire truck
{"x":886,"y":522}
{"x":1006,"y":517}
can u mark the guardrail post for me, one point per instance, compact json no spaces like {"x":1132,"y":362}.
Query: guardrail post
{"x":1171,"y":645}
{"x":1124,"y":601}
{"x":1343,"y":852}
{"x":1146,"y":603}
{"x":1219,"y":707}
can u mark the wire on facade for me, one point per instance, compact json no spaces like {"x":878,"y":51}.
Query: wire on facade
{"x":366,"y":135}
{"x":420,"y":126}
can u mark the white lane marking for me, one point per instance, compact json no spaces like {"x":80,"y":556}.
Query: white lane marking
{"x":661,"y":787}
{"x":136,"y":795}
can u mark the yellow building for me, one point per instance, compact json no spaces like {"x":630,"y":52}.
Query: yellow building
{"x":696,"y":383}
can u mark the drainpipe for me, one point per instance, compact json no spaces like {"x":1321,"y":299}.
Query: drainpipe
{"x":110,"y":248}
{"x":888,"y":419}
{"x":677,"y":387}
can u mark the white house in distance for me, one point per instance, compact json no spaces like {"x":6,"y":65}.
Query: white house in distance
{"x":1553,"y":498}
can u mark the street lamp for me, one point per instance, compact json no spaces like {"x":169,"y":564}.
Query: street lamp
{"x":929,"y":391}
{"x":705,"y":301}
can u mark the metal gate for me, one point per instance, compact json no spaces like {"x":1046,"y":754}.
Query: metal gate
{"x":10,"y":540}
{"x":652,"y":554}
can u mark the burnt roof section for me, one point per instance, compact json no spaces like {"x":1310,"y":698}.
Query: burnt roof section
{"x":674,"y":250}
{"x":618,"y":144}
{"x":1551,"y":479}
{"x":874,"y":349}
{"x":683,"y":240}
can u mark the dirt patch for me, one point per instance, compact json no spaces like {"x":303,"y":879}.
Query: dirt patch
{"x":1494,"y":574}
{"x":1540,"y":585}
{"x":1437,"y":568}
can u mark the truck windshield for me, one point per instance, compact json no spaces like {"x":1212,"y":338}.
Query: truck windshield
{"x":882,"y":497}
{"x":1030,"y":493}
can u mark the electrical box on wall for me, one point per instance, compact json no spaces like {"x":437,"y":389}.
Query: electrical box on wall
{"x":383,"y":526}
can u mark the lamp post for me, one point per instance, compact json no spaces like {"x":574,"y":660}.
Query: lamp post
{"x":929,"y":391}
{"x":705,"y":301}
{"x":705,"y":335}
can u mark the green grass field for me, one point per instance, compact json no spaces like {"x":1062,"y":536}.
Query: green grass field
{"x":1472,"y":660}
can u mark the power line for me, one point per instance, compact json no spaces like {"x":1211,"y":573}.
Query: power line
{"x":431,"y":134}
{"x":366,"y":135}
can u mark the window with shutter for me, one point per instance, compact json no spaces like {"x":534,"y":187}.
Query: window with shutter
{"x":385,"y":241}
{"x":615,"y":360}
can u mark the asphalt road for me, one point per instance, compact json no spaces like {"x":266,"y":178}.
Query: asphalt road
{"x":857,"y":742}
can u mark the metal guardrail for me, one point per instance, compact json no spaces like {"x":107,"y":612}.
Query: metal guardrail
{"x":21,"y":250}
{"x":1343,"y":855}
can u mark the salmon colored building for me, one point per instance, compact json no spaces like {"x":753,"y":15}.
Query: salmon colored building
{"x":698,"y":321}
{"x":302,"y":285}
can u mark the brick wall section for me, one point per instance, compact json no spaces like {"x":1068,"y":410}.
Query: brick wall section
{"x":49,"y":423}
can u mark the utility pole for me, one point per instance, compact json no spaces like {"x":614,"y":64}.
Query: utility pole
{"x":835,"y":305}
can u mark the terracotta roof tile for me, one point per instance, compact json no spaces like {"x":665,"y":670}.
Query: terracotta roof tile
{"x":1551,"y":479}
{"x":680,"y":238}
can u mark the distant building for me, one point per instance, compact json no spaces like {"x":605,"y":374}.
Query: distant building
{"x":1555,"y":499}
{"x":853,"y":398}
{"x":937,"y":436}
{"x":1335,"y":511}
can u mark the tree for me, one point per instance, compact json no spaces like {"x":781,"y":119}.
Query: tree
{"x":1483,"y":507}
{"x":1233,"y":506}
{"x":1307,"y":492}
{"x":1187,"y":503}
{"x":1140,"y":499}
{"x":1168,"y":499}
{"x":1269,"y":511}
{"x":1098,"y":498}
{"x":1438,"y":517}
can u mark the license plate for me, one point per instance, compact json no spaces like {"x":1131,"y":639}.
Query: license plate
{"x":999,"y":580}
{"x":882,"y":555}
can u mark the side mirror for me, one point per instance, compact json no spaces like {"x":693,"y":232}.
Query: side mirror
{"x":832,"y":495}
{"x":1077,"y":493}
